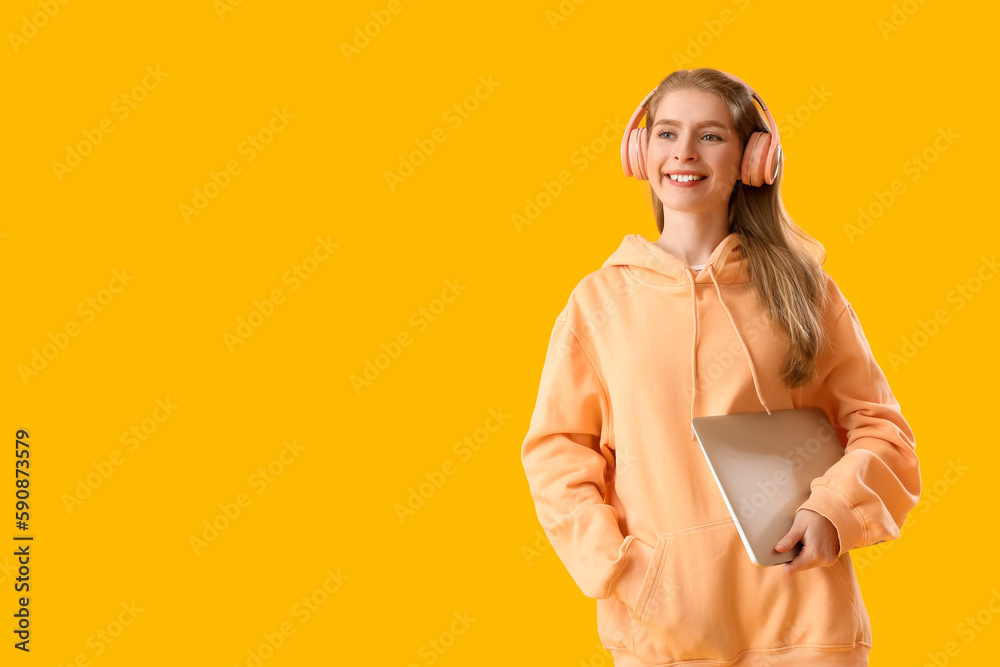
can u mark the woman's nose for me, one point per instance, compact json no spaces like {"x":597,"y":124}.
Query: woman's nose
{"x":683,"y":151}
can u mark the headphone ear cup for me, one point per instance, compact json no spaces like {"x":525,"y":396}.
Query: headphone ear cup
{"x":641,"y":142}
{"x":754,"y":168}
{"x":637,"y":153}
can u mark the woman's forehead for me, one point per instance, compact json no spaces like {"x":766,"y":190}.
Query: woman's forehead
{"x":686,"y":106}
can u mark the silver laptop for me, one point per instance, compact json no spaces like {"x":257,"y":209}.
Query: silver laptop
{"x":763,"y":465}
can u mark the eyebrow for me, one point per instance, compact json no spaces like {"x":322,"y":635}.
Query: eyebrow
{"x":710,"y":123}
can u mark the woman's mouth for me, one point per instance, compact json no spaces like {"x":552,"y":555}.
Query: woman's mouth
{"x":686,"y":180}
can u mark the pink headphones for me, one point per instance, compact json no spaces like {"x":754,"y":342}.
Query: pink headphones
{"x":762,"y":154}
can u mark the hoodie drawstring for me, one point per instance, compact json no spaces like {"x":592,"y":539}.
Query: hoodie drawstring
{"x":694,"y":340}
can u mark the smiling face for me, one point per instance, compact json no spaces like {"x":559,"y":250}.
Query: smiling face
{"x":693,"y":132}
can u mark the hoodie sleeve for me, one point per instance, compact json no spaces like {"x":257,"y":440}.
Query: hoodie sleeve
{"x":566,"y":457}
{"x":867,"y":493}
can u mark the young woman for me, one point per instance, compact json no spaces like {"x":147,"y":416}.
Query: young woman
{"x":728,"y":311}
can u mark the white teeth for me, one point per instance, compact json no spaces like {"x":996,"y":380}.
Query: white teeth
{"x":684,"y":178}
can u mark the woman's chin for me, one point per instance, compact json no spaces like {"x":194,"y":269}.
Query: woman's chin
{"x":682,"y":201}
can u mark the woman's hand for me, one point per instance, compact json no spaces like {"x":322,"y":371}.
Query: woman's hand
{"x":820,"y":541}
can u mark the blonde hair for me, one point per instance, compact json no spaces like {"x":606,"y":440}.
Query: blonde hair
{"x":785,"y":263}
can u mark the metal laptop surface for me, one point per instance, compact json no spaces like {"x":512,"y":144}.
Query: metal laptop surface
{"x":763,"y":465}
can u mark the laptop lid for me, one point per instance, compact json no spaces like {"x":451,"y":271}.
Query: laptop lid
{"x":763,"y":465}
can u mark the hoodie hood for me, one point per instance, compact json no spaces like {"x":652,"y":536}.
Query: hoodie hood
{"x":727,"y":265}
{"x":652,"y":264}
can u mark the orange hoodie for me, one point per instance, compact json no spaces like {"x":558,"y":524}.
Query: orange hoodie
{"x":628,"y":502}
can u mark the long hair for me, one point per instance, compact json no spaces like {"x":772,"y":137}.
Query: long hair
{"x":784,"y":261}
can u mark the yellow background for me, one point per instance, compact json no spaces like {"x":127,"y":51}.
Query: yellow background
{"x":468,"y":359}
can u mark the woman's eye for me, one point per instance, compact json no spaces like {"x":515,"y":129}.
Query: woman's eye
{"x":704,"y":135}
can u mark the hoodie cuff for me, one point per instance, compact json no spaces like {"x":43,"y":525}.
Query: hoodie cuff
{"x":835,"y":506}
{"x":628,"y":584}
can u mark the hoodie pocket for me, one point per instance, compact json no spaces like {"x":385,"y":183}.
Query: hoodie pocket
{"x":704,"y":599}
